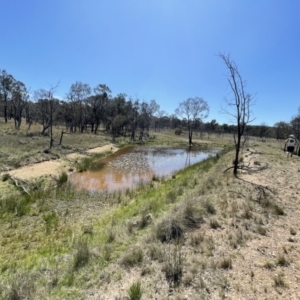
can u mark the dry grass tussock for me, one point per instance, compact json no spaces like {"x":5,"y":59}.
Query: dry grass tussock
{"x":202,"y":234}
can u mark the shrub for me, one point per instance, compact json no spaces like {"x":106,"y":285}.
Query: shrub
{"x":107,"y":252}
{"x":265,"y":202}
{"x":247,"y":214}
{"x":173,"y":265}
{"x":69,"y":278}
{"x":132,"y":257}
{"x":111,"y":235}
{"x":214,"y":224}
{"x":155,"y":252}
{"x":179,"y":190}
{"x":196,"y":238}
{"x":171,"y":197}
{"x":82,"y":254}
{"x":169,"y":229}
{"x":269,"y":265}
{"x":23,"y":207}
{"x":144,"y":220}
{"x":261,"y":230}
{"x":236,"y":239}
{"x":155,"y":177}
{"x":279,"y":281}
{"x":9,"y":204}
{"x":281,"y":261}
{"x":226,"y":263}
{"x":91,"y":163}
{"x":47,"y":151}
{"x":51,"y":221}
{"x":135,"y":291}
{"x":188,"y":279}
{"x":87,"y":229}
{"x":278,"y":210}
{"x":209,"y":207}
{"x":129,"y":226}
{"x":5,"y":177}
{"x":178,"y":131}
{"x":83,"y":164}
{"x":22,"y":287}
{"x":192,"y":215}
{"x":63,"y":177}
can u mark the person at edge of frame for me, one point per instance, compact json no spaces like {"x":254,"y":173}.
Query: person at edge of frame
{"x":290,"y":144}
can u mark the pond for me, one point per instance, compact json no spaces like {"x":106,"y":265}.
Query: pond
{"x":129,"y":167}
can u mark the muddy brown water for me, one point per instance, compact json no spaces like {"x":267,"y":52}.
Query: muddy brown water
{"x":129,"y":167}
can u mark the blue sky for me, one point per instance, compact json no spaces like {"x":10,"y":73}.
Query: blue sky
{"x":165,"y":50}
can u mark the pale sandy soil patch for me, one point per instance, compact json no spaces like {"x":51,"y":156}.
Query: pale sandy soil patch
{"x":54,"y":167}
{"x":37,"y":170}
{"x":105,"y":148}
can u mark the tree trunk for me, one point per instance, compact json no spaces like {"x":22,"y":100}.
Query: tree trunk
{"x":190,"y":136}
{"x":61,"y":137}
{"x":5,"y":109}
{"x":44,"y":129}
{"x":237,"y":152}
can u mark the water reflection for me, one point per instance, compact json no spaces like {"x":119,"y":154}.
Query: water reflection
{"x":130,"y":166}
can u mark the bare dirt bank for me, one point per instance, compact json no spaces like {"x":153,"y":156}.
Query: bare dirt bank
{"x":54,"y":167}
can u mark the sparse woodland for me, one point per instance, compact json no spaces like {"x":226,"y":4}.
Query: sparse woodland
{"x":86,"y":109}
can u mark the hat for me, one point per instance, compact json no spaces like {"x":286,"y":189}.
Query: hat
{"x":292,"y":136}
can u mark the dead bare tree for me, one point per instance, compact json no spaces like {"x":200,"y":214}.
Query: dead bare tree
{"x":47,"y":105}
{"x":241,"y":104}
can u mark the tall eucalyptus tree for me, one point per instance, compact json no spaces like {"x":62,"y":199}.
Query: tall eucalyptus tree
{"x":282,"y":130}
{"x":132,"y":117}
{"x":7,"y":83}
{"x":97,"y":105}
{"x":191,"y":110}
{"x":77,"y":95}
{"x":20,"y":97}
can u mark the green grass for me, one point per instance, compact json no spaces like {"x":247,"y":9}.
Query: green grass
{"x":82,"y":254}
{"x":63,"y":178}
{"x":135,"y":291}
{"x":73,"y":241}
{"x":92,"y":162}
{"x":61,"y":229}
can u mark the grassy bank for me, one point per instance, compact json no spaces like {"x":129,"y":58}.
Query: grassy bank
{"x":80,"y":230}
{"x":54,"y":239}
{"x":184,"y":237}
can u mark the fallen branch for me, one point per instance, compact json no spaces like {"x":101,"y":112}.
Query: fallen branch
{"x":19,"y":185}
{"x":249,"y":169}
{"x":261,"y":189}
